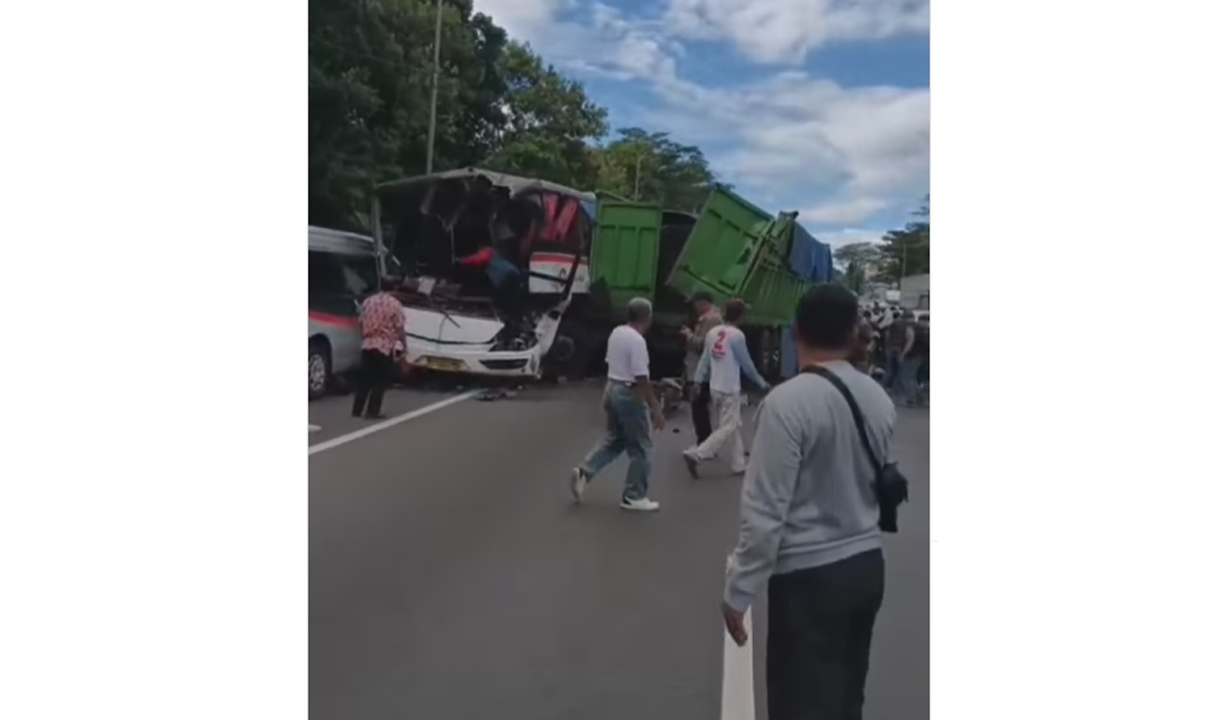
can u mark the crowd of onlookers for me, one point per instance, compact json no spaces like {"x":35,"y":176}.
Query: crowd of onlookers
{"x":814,"y":503}
{"x":892,"y":346}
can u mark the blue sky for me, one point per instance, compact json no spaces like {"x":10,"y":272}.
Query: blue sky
{"x":820,"y":106}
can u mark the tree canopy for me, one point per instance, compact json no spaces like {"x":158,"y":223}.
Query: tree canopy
{"x":650,"y":167}
{"x":499,"y":105}
{"x":900,"y":253}
{"x":907,"y":251}
{"x":861,"y":262}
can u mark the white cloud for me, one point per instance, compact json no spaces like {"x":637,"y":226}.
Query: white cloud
{"x":603,"y":42}
{"x":792,"y":138}
{"x":867,"y":147}
{"x":847,"y":236}
{"x":523,"y":19}
{"x":840,"y":212}
{"x":784,"y":31}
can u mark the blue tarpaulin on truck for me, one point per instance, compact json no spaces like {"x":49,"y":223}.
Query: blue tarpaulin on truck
{"x":813,"y":262}
{"x":808,"y":258}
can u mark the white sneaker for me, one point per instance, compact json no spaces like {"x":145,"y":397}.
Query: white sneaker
{"x":641,"y":505}
{"x":580,"y":480}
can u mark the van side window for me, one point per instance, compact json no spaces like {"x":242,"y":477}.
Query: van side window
{"x":333,"y":274}
{"x":325,"y":275}
{"x":359,"y":275}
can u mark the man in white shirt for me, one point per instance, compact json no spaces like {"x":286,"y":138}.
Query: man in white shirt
{"x":629,"y":401}
{"x":725,"y":357}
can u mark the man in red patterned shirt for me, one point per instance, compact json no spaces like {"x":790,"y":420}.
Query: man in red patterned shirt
{"x":383,"y":323}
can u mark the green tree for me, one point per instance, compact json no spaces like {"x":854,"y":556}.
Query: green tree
{"x":548,"y":121}
{"x":498,"y":106}
{"x":653,"y":168}
{"x":370,"y":86}
{"x":907,"y":251}
{"x":854,"y":277}
{"x":867,"y":257}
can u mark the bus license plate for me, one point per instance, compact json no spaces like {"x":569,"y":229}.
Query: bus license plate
{"x":445,"y":364}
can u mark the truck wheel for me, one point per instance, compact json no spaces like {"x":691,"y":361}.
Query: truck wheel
{"x":770,"y":354}
{"x":319,"y":368}
{"x":569,"y":355}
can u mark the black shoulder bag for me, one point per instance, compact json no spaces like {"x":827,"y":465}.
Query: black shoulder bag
{"x":890,"y":484}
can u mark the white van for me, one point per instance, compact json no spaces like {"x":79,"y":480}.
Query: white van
{"x":342,"y":272}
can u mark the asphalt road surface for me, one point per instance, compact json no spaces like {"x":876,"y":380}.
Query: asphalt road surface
{"x":452,"y":578}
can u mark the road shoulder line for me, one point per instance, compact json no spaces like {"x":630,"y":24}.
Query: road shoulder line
{"x":737,"y":678}
{"x":389,"y":423}
{"x":737,"y":671}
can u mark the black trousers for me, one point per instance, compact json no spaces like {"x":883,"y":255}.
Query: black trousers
{"x":819,"y":632}
{"x":376,"y":374}
{"x":701,"y":414}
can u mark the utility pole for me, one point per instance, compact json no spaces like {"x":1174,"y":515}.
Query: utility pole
{"x":436,"y":81}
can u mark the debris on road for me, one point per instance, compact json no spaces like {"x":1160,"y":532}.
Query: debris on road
{"x":669,"y":392}
{"x":500,"y":393}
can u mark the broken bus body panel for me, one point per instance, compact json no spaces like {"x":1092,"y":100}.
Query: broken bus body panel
{"x":425,"y":224}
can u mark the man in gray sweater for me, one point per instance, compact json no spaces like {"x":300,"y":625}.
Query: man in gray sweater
{"x":809,"y":523}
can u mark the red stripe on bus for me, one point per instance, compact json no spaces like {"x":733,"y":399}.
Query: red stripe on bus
{"x":337,"y":320}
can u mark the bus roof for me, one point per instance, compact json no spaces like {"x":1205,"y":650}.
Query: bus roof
{"x":514,"y":183}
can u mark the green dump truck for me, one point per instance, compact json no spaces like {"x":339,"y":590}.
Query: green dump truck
{"x":731,"y":248}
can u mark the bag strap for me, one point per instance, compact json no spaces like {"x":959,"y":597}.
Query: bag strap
{"x":855,"y":410}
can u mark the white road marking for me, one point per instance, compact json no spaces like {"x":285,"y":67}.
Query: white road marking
{"x":389,"y":423}
{"x":737,"y":679}
{"x":737,"y":673}
{"x":314,"y":428}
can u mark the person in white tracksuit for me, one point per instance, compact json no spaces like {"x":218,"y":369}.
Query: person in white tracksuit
{"x":725,"y":358}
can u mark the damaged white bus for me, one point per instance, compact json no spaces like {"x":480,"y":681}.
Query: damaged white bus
{"x":496,"y":260}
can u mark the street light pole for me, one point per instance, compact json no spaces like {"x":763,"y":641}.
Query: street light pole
{"x":436,"y":81}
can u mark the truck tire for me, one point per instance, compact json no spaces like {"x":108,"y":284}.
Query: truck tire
{"x":319,"y":368}
{"x":577,"y":365}
{"x":569,"y":354}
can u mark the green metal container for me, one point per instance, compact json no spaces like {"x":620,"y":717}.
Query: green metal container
{"x":771,"y":289}
{"x":624,"y":253}
{"x":722,"y":247}
{"x":734,"y":249}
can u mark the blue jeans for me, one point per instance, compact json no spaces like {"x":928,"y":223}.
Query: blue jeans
{"x":628,"y":429}
{"x":908,"y":386}
{"x":893,"y":368}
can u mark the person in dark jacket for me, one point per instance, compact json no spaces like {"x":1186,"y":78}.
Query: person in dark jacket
{"x":921,"y":352}
{"x":862,"y":355}
{"x":908,"y":360}
{"x":897,"y":338}
{"x":707,"y":317}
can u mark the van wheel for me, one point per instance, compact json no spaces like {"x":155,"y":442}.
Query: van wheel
{"x":319,"y":368}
